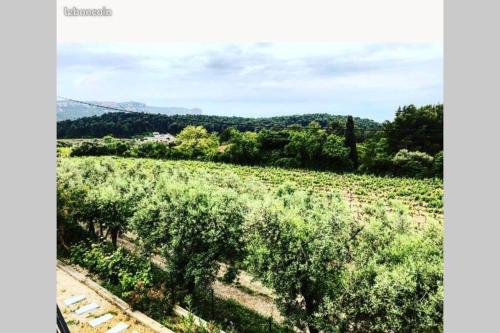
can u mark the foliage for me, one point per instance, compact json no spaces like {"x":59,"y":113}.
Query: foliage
{"x":350,"y":141}
{"x":150,"y":150}
{"x":115,"y":267}
{"x":301,"y":248}
{"x":228,"y":134}
{"x":305,"y":145}
{"x":416,"y":129}
{"x":195,"y":142}
{"x":375,"y":157}
{"x":127,"y":125}
{"x":422,"y":196}
{"x":273,"y":140}
{"x":98,"y":199}
{"x":107,"y":146}
{"x":63,"y":151}
{"x":193,"y":226}
{"x":333,"y":267}
{"x":314,"y":146}
{"x":336,"y":152}
{"x":243,"y":148}
{"x":413,"y":163}
{"x":438,"y":165}
{"x":394,"y":282}
{"x":334,"y":274}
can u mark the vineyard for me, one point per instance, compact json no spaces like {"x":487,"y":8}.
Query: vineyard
{"x":424,"y":197}
{"x":341,"y":252}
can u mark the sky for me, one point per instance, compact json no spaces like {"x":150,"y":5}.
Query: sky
{"x":368,"y":80}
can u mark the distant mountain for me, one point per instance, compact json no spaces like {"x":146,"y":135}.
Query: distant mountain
{"x":126,"y":125}
{"x":69,"y":110}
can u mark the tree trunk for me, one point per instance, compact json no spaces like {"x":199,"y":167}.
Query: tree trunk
{"x":92,"y":229}
{"x":310,"y":306}
{"x":114,"y":237}
{"x":190,"y":286}
{"x":312,"y":329}
{"x":60,"y":235}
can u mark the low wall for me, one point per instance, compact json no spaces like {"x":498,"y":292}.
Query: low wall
{"x":118,"y":302}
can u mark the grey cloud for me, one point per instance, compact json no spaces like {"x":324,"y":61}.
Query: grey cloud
{"x":240,"y":75}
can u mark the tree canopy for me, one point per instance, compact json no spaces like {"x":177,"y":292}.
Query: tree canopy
{"x":410,"y":146}
{"x":128,"y":125}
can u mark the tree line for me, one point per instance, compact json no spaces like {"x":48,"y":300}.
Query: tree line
{"x":411,"y":145}
{"x":128,"y":125}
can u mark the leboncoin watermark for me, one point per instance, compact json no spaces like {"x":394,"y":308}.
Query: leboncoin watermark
{"x":87,"y":11}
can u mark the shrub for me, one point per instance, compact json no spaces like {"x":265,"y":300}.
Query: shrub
{"x":152,"y":150}
{"x":413,"y":163}
{"x":438,"y":164}
{"x":287,"y":162}
{"x":122,"y":271}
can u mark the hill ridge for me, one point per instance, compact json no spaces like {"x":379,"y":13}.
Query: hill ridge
{"x":125,"y":125}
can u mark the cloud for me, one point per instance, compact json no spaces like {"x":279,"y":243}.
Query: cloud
{"x":74,"y":57}
{"x":256,"y":79}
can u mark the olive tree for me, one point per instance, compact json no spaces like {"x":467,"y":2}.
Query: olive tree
{"x":332,"y":273}
{"x":395,"y":280}
{"x":115,"y":206}
{"x":301,"y":248}
{"x":193,"y":226}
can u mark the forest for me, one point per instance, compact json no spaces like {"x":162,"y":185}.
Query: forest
{"x":127,"y":125}
{"x":409,"y":146}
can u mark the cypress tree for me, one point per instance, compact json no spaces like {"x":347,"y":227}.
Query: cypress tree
{"x":350,"y":141}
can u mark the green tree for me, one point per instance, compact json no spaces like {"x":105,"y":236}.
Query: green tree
{"x":375,"y":156}
{"x":336,"y":152}
{"x":273,"y":139}
{"x":196,"y":142}
{"x":115,"y":206}
{"x":413,"y":163}
{"x":300,"y":248}
{"x":243,"y":148}
{"x":350,"y":141}
{"x":152,"y":150}
{"x":228,"y":134}
{"x":128,"y":125}
{"x":69,"y":195}
{"x":394,"y":282}
{"x":335,"y":127}
{"x":416,"y":129}
{"x":306,"y":144}
{"x":194,"y":226}
{"x":438,"y":164}
{"x":334,"y":274}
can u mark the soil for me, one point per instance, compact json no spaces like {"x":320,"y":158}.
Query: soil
{"x":256,"y":297}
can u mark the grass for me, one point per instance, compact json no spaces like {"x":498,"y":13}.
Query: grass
{"x":234,"y":316}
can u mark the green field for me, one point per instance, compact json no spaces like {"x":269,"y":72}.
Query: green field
{"x":423,"y":197}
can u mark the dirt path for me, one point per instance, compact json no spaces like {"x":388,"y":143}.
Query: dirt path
{"x":68,"y":286}
{"x":258,"y":298}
